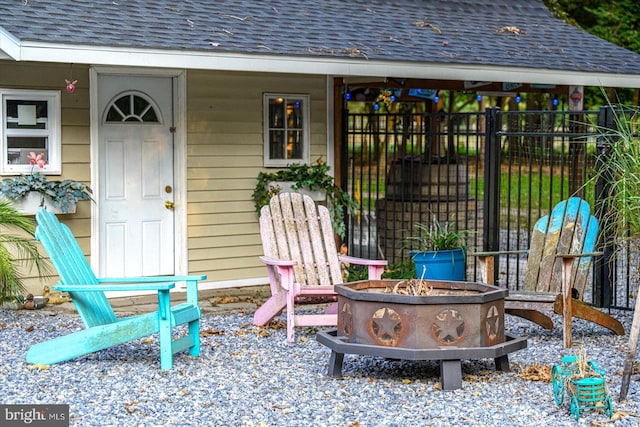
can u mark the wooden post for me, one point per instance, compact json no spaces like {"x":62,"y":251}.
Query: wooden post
{"x":567,"y":321}
{"x":486,"y":263}
{"x":631,"y":352}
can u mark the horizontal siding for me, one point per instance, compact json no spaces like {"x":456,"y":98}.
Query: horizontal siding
{"x":204,"y":242}
{"x":198,"y":183}
{"x":243,"y":162}
{"x":223,"y":200}
{"x":229,"y":252}
{"x":223,"y":218}
{"x":221,"y":274}
{"x":224,"y":157}
{"x":250,"y":228}
{"x":203,"y":141}
{"x":75,"y":134}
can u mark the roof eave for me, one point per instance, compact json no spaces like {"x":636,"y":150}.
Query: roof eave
{"x":357,"y":66}
{"x":9,"y":46}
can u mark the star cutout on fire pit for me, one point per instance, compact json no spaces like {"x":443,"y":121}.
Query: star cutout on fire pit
{"x":493,"y":322}
{"x":448,"y":327}
{"x":385,"y":326}
{"x":346,"y":319}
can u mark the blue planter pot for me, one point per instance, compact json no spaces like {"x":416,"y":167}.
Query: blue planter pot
{"x":440,"y":265}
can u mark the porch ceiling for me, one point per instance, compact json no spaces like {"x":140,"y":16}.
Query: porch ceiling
{"x":508,"y":41}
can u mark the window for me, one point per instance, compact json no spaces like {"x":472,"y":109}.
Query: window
{"x":132,"y":107}
{"x":30,"y":122}
{"x":286,"y":129}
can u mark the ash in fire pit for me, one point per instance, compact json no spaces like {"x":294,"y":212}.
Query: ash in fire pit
{"x":421,"y":320}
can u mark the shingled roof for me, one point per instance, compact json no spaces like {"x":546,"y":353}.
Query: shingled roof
{"x":425,"y":38}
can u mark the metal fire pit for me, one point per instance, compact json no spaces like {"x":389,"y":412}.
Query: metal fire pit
{"x":457,"y":320}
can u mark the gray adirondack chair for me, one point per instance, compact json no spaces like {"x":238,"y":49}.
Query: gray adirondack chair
{"x":302,"y":261}
{"x":558,"y":263}
{"x":103,"y":328}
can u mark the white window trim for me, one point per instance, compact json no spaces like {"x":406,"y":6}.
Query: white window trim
{"x":306,"y":130}
{"x":54,"y":132}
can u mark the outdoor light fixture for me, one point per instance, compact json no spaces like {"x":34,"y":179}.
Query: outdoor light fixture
{"x":518,"y":98}
{"x":376,"y":107}
{"x":555,"y":101}
{"x":479,"y":97}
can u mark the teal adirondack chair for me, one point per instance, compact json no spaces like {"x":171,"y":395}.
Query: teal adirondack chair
{"x":558,"y":264}
{"x":103,"y":328}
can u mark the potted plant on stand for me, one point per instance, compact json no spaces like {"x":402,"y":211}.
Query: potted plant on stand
{"x":32,"y":192}
{"x":438,"y":251}
{"x":17,"y":250}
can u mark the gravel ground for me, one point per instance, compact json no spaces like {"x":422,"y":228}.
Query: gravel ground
{"x":249,"y":376}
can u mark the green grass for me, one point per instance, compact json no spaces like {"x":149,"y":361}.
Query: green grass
{"x":512,"y":186}
{"x":533,"y":192}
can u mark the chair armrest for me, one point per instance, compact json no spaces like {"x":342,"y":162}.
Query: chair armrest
{"x":116,"y":287}
{"x":278,"y":262}
{"x":362,"y":261}
{"x":151,"y":279}
{"x":494,"y":253}
{"x":585,"y":255}
{"x":191,"y":283}
{"x":486,"y":263}
{"x":375,"y":266}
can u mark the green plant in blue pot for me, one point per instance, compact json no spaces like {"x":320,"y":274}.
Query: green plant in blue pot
{"x":438,"y":250}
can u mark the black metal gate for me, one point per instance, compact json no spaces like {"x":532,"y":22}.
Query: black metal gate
{"x":493,"y":173}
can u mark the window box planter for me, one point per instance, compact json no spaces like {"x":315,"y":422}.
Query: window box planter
{"x":33,"y":201}
{"x":287,"y":187}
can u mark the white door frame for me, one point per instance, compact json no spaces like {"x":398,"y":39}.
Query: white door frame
{"x":179,"y":157}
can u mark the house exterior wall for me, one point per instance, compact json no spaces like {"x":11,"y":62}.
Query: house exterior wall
{"x":224,"y":157}
{"x":75,"y":136}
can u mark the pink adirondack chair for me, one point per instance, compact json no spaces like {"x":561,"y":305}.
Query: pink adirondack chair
{"x":302,"y":261}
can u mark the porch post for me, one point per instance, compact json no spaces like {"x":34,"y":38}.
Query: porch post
{"x":602,"y":265}
{"x":491,"y":235}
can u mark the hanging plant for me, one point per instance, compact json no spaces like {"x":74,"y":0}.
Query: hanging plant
{"x":313,"y":178}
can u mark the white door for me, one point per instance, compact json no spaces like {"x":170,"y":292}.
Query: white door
{"x":135,"y":198}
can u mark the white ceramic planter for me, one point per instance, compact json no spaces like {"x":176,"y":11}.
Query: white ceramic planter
{"x":32,"y":203}
{"x":286,"y":187}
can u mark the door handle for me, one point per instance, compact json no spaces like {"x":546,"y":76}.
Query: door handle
{"x":169,"y":204}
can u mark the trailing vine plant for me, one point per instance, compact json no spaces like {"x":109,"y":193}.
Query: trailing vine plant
{"x":315,"y":177}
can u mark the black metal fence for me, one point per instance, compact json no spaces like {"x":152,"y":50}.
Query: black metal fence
{"x":493,"y":173}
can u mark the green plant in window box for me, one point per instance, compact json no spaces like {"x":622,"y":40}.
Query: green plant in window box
{"x":63,"y":194}
{"x":314,"y":177}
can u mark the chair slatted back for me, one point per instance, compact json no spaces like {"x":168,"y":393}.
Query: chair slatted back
{"x":569,"y":229}
{"x":294,"y":228}
{"x":72,"y":267}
